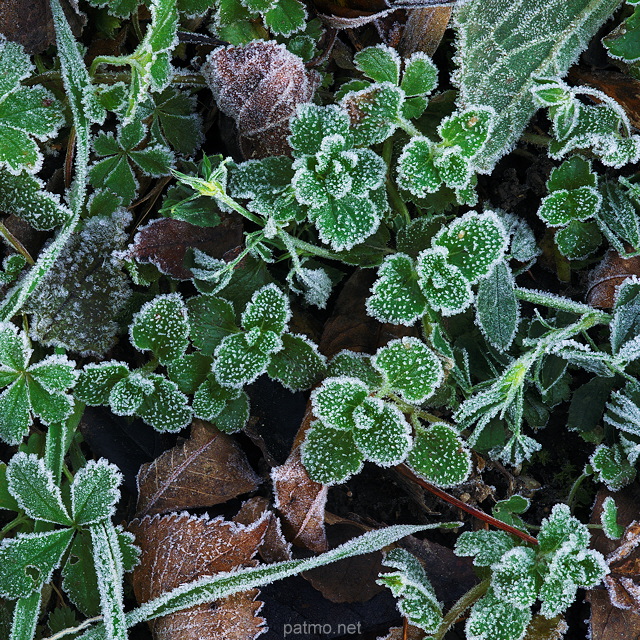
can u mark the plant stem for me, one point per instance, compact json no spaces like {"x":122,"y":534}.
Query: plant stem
{"x":574,"y":489}
{"x":465,"y":602}
{"x":563,"y":304}
{"x":15,"y":244}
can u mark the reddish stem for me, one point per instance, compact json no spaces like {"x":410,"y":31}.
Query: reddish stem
{"x":477,"y":513}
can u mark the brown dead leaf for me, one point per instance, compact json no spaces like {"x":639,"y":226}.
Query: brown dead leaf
{"x":299,"y":500}
{"x":424,"y":30}
{"x":605,"y":277}
{"x":207,"y":469}
{"x":165,"y":242}
{"x":397,"y":633}
{"x":608,"y":621}
{"x":28,"y":22}
{"x":623,"y":582}
{"x":351,"y":579}
{"x":260,"y":85}
{"x":179,"y":548}
{"x":541,"y":628}
{"x":274,"y":548}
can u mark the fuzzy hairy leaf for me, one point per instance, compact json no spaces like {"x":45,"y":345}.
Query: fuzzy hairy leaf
{"x":94,"y":492}
{"x":298,"y":365}
{"x":380,"y":63}
{"x":492,"y":619}
{"x":97,"y":380}
{"x":335,"y":400}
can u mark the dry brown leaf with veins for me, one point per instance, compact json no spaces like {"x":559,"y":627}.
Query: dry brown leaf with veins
{"x":165,"y":242}
{"x":207,"y":469}
{"x":260,"y":85}
{"x":191,"y":547}
{"x":623,"y":581}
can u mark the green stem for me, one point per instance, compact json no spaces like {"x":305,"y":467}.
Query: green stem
{"x":574,"y":489}
{"x":407,"y":126}
{"x":16,"y":522}
{"x":397,"y":203}
{"x":15,"y":244}
{"x":465,"y":602}
{"x":308,"y":248}
{"x":58,"y":440}
{"x":562,"y":304}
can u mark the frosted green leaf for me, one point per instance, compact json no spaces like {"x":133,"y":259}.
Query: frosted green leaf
{"x":330,"y":456}
{"x":623,"y":409}
{"x":255,"y":177}
{"x":94,"y":492}
{"x":442,"y":284}
{"x":33,"y":487}
{"x":286,"y":17}
{"x":189,"y":371}
{"x":15,"y":352}
{"x":625,"y":326}
{"x":514,"y":579}
{"x":12,"y":265}
{"x":79,"y":576}
{"x":493,"y":619}
{"x":559,"y":527}
{"x":210,"y":319}
{"x":609,"y":519}
{"x":410,"y":368}
{"x":414,"y":107}
{"x":487,"y":546}
{"x":420,"y":75}
{"x":28,"y":560}
{"x":440,"y":456}
{"x":508,"y":511}
{"x":119,"y":8}
{"x":15,"y":412}
{"x":335,"y":400}
{"x":127,"y":394}
{"x":161,"y":326}
{"x":268,"y":310}
{"x":454,"y":169}
{"x":395,"y":295}
{"x":503,"y":46}
{"x":27,"y":114}
{"x":298,"y":365}
{"x":468,"y":130}
{"x":612,"y":467}
{"x":96,"y":381}
{"x":617,"y":215}
{"x":572,"y":174}
{"x":235,"y":415}
{"x":563,"y":206}
{"x":388,"y":440}
{"x":165,"y":409}
{"x":237,"y":362}
{"x":312,"y":124}
{"x":475,"y":242}
{"x":417,"y":600}
{"x":417,"y":172}
{"x":623,"y":43}
{"x":578,"y":240}
{"x":226,"y":407}
{"x":25,"y":196}
{"x":380,"y":63}
{"x":55,"y":373}
{"x":346,"y":222}
{"x":497,"y":308}
{"x":355,"y":365}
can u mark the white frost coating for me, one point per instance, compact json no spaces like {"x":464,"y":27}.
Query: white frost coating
{"x":330,"y":399}
{"x":94,"y":492}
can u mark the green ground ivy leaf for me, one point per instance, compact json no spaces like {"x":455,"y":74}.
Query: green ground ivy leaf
{"x":578,"y":240}
{"x":97,"y":380}
{"x":336,"y":399}
{"x":440,"y":456}
{"x":612,"y":467}
{"x":355,"y":365}
{"x":486,"y":547}
{"x":497,"y":308}
{"x":189,"y":371}
{"x":286,"y":17}
{"x":409,"y":368}
{"x":123,"y":152}
{"x":617,"y":216}
{"x":166,"y":408}
{"x":330,"y":455}
{"x":492,"y":619}
{"x":420,"y":75}
{"x":623,"y":42}
{"x":27,"y":114}
{"x":161,"y":326}
{"x":417,"y":599}
{"x":94,"y":492}
{"x":268,"y":310}
{"x":503,"y":46}
{"x":28,"y":560}
{"x":299,"y":364}
{"x":210,"y":319}
{"x":380,"y":63}
{"x":33,"y":487}
{"x":312,"y":124}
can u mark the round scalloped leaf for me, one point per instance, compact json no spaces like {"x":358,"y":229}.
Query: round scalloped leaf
{"x":55,"y":373}
{"x":380,"y":63}
{"x":95,"y":492}
{"x":487,"y":547}
{"x":335,"y":400}
{"x":396,"y":296}
{"x":189,"y":371}
{"x":127,"y":394}
{"x":417,"y":172}
{"x":49,"y":406}
{"x":166,"y":409}
{"x":210,"y":319}
{"x":454,"y":169}
{"x":388,"y":440}
{"x":330,"y":456}
{"x":561,"y":527}
{"x":443,"y":285}
{"x":235,"y":415}
{"x":572,"y":174}
{"x":475,"y":243}
{"x":96,"y":381}
{"x":612,"y":467}
{"x":410,"y":368}
{"x":493,"y":619}
{"x":237,"y":362}
{"x":355,"y":365}
{"x":514,"y":577}
{"x":469,"y":130}
{"x":161,"y":326}
{"x":298,"y":365}
{"x":440,"y":456}
{"x":563,"y":206}
{"x":313,"y":123}
{"x":211,"y":398}
{"x":268,"y":310}
{"x":420,"y":75}
{"x":578,"y":240}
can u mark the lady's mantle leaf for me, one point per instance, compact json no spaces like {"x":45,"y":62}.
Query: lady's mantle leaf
{"x":440,"y":456}
{"x":161,"y":327}
{"x":94,"y":492}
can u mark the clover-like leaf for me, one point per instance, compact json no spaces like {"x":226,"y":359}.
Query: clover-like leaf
{"x":578,"y":240}
{"x":96,"y":381}
{"x":268,"y":310}
{"x":161,"y":326}
{"x":27,"y":114}
{"x":94,"y":492}
{"x":298,"y":365}
{"x":440,"y":456}
{"x":562,"y":206}
{"x":420,"y":75}
{"x":312,"y":124}
{"x":467,"y":130}
{"x":487,"y":547}
{"x":380,"y":63}
{"x":335,"y":400}
{"x":417,"y":599}
{"x":330,"y":456}
{"x":28,"y":561}
{"x":396,"y":296}
{"x":33,"y":487}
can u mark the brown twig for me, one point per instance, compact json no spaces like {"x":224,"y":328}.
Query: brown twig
{"x":477,"y":513}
